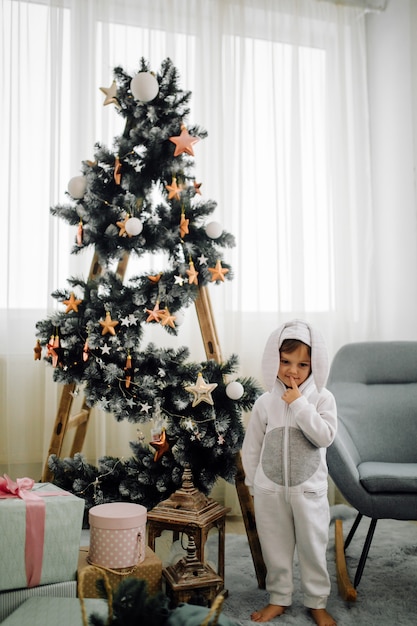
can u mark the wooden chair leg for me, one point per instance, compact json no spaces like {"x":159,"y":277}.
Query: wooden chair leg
{"x":346,"y":589}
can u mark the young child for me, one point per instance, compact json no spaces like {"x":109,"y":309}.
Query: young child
{"x":284,"y":458}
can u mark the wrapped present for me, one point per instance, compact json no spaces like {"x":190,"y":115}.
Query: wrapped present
{"x":11,"y":600}
{"x":53,"y":611}
{"x":150,"y":569}
{"x":40,"y":533}
{"x":117,"y":534}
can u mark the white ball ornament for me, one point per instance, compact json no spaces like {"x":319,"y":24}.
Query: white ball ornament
{"x":144,"y":86}
{"x":133,"y":226}
{"x":77,"y":186}
{"x":234,"y":390}
{"x":179,"y":317}
{"x":214,"y":230}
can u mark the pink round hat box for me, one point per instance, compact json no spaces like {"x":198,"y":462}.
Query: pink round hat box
{"x":117,"y":534}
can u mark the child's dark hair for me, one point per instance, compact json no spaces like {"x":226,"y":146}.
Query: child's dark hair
{"x":290,"y":345}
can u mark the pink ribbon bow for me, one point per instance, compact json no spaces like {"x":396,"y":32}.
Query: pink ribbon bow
{"x":35,"y":522}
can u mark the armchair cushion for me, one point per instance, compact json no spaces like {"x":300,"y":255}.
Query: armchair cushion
{"x":379,"y":477}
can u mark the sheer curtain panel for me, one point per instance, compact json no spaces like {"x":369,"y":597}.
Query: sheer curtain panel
{"x":280,"y":86}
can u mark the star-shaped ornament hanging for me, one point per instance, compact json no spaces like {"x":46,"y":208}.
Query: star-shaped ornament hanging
{"x":197,"y":187}
{"x":117,"y":174}
{"x":201,"y":390}
{"x":192,"y":274}
{"x":155,"y":314}
{"x":184,"y":142}
{"x":108,"y":325}
{"x":167,"y":319}
{"x":173,"y":190}
{"x":72,"y":303}
{"x":218,"y":272}
{"x":184,"y":225}
{"x":161,"y":446}
{"x":122,"y":226}
{"x":110,"y":93}
{"x":156,"y":278}
{"x":37,"y":351}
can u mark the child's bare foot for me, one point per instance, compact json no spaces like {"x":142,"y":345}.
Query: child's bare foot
{"x":322,"y":617}
{"x":267,"y":613}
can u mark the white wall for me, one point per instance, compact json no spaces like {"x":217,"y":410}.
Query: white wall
{"x":392,"y":99}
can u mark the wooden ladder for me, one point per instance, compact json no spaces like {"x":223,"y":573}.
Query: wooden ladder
{"x":64,"y":422}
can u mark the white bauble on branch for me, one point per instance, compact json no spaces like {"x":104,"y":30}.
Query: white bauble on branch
{"x":179,"y":317}
{"x":144,"y":86}
{"x":77,"y":186}
{"x":214,"y":230}
{"x":133,"y":226}
{"x":234,"y":390}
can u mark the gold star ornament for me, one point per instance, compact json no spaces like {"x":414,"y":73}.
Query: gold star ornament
{"x":108,"y":325}
{"x":218,"y":272}
{"x":201,"y":390}
{"x":173,"y":190}
{"x":110,"y":93}
{"x":192,"y":274}
{"x":184,"y":226}
{"x":72,"y":304}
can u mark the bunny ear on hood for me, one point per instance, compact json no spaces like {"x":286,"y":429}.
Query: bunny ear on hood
{"x":296,"y":329}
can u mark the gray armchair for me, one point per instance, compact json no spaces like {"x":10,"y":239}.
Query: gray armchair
{"x":373,"y":460}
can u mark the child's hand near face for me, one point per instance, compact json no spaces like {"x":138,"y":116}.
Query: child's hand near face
{"x":291,"y":393}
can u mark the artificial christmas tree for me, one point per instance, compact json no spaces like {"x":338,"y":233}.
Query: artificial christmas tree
{"x":141,"y":197}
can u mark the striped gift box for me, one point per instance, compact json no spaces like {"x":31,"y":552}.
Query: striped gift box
{"x":11,"y":600}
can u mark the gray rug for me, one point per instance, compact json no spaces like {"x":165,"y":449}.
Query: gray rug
{"x":387,"y":593}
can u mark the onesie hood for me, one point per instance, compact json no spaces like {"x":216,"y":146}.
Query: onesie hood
{"x":296,"y":329}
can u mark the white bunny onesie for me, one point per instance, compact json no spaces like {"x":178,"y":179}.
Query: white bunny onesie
{"x":284,"y":458}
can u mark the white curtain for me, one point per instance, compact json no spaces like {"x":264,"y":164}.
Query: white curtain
{"x":281,"y":87}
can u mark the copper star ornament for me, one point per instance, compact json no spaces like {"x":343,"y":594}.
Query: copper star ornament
{"x":184,"y":226}
{"x":122,"y":226}
{"x":173,"y":190}
{"x":167,"y":319}
{"x":192,"y":274}
{"x":72,"y":304}
{"x":155,"y":314}
{"x":218,"y":272}
{"x":117,"y":174}
{"x":201,"y":390}
{"x":184,"y":142}
{"x":108,"y":325}
{"x":37,"y":350}
{"x":156,"y":278}
{"x":161,"y":446}
{"x":110,"y":93}
{"x":80,"y":234}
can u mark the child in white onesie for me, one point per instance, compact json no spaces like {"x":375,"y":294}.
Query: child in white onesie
{"x":284,"y":458}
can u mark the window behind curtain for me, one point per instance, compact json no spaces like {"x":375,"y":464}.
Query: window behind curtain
{"x":281,"y":205}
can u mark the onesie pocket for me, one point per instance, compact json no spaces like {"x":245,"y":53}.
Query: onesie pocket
{"x":316,"y":493}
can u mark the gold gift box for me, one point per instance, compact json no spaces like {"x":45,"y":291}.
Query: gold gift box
{"x":150,"y":570}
